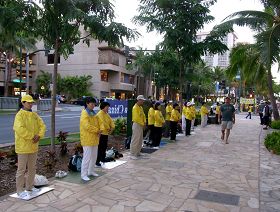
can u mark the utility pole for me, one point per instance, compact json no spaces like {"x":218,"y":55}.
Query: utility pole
{"x":27,"y":72}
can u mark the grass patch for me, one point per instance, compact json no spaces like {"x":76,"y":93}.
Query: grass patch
{"x":75,"y":137}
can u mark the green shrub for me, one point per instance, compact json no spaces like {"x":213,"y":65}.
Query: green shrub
{"x":275,"y":124}
{"x":272,"y":142}
{"x":120,"y":126}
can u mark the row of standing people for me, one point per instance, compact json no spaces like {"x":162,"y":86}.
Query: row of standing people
{"x":30,"y":128}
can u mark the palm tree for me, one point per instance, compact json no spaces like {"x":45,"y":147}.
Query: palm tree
{"x":267,"y":25}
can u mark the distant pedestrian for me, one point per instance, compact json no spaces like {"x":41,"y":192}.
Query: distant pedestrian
{"x":183,"y":118}
{"x":107,"y":126}
{"x":217,"y":112}
{"x":159,"y":121}
{"x":260,"y":111}
{"x":204,"y":115}
{"x":174,"y":120}
{"x":89,"y":134}
{"x":228,"y":119}
{"x":193,"y":111}
{"x":188,"y":114}
{"x":29,"y":129}
{"x":250,"y":110}
{"x":139,"y":123}
{"x":266,"y":115}
{"x":151,"y":122}
{"x":168,"y":111}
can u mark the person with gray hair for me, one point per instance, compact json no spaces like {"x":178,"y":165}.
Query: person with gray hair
{"x":139,"y":123}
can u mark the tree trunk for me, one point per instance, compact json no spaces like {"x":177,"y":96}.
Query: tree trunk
{"x":7,"y":73}
{"x":181,"y":86}
{"x":54,"y":82}
{"x":271,"y":95}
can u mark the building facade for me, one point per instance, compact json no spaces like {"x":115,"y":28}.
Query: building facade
{"x":218,"y":60}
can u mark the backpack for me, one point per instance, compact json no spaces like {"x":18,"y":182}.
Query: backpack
{"x":75,"y":163}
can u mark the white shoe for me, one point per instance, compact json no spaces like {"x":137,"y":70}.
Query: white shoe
{"x":34,"y":190}
{"x":85,"y":178}
{"x":93,"y":174}
{"x":156,"y":147}
{"x":134,"y":157}
{"x":23,"y":194}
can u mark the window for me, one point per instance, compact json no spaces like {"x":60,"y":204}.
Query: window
{"x":51,"y":59}
{"x":127,"y":78}
{"x":104,"y":76}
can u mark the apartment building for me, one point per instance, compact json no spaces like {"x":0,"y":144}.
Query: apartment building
{"x":105,"y":64}
{"x":218,"y":60}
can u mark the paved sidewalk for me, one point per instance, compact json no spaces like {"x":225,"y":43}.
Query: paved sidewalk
{"x":173,"y":176}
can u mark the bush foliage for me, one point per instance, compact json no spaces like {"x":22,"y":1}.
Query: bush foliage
{"x":120,"y":126}
{"x":275,"y":124}
{"x":272,"y":142}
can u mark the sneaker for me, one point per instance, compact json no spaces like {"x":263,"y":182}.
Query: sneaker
{"x":94,"y":174}
{"x":23,"y":194}
{"x":33,"y":190}
{"x":134,"y":157}
{"x":98,"y":165}
{"x":85,"y":178}
{"x":156,"y":147}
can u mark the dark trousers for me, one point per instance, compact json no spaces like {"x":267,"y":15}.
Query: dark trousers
{"x":157,"y":136}
{"x":152,"y":133}
{"x":166,"y":129}
{"x":249,"y":114}
{"x":102,"y":147}
{"x":173,"y":127}
{"x":261,"y":118}
{"x":188,"y":126}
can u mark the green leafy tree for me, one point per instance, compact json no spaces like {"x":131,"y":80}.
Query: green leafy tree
{"x":16,"y":31}
{"x":60,"y":23}
{"x":179,"y":21}
{"x":43,"y":82}
{"x":267,"y":26}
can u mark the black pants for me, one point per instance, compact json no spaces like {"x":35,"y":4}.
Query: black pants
{"x":157,"y":136}
{"x":102,"y":147}
{"x":188,"y":126}
{"x":249,"y":114}
{"x":152,"y":133}
{"x":261,"y":118}
{"x":167,"y":129}
{"x":173,"y":127}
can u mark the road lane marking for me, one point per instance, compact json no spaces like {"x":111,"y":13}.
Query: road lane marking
{"x":70,"y":117}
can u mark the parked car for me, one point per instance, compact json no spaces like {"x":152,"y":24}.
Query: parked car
{"x":61,"y":99}
{"x":80,"y":101}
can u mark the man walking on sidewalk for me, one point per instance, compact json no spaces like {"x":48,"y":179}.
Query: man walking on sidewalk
{"x":139,"y":122}
{"x":228,"y":118}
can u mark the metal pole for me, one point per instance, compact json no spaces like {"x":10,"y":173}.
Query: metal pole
{"x":27,"y":73}
{"x":20,"y":71}
{"x":6,"y":76}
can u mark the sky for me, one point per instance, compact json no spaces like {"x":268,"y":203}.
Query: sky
{"x":125,"y":10}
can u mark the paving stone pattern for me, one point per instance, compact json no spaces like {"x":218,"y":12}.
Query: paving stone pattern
{"x":171,"y":177}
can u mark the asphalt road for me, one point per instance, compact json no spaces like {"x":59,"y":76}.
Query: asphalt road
{"x":65,"y":121}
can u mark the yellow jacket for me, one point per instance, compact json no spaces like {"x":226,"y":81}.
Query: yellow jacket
{"x":175,"y":115}
{"x":138,"y":115}
{"x":168,"y":111}
{"x":218,"y":109}
{"x":151,"y":116}
{"x":27,"y":124}
{"x":203,"y":110}
{"x":159,"y":119}
{"x":188,"y":113}
{"x":193,"y":110}
{"x":89,"y":129}
{"x":106,"y":123}
{"x":250,"y":109}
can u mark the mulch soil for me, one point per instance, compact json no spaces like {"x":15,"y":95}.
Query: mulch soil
{"x":8,"y":167}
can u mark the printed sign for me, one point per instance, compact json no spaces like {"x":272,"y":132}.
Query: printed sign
{"x":118,"y":108}
{"x":247,"y":101}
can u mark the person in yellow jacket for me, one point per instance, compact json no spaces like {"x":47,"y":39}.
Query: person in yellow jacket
{"x":174,"y":120}
{"x":217,"y":112}
{"x":193,"y":110}
{"x":204,"y":115}
{"x":151,"y":122}
{"x":189,"y":116}
{"x":29,"y":129}
{"x":250,"y":110}
{"x":159,"y":121}
{"x":183,"y":116}
{"x":168,"y":111}
{"x":139,"y":123}
{"x":107,"y":126}
{"x":89,"y":134}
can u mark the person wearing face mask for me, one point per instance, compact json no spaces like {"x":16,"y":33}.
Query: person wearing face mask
{"x":107,"y":126}
{"x":89,"y":134}
{"x":29,"y":129}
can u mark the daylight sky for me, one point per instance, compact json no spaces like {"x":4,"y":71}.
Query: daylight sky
{"x":125,"y":10}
